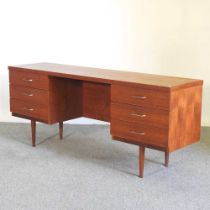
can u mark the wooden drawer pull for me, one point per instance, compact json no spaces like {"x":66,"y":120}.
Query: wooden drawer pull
{"x":139,"y":97}
{"x":28,"y":94}
{"x":29,"y":109}
{"x":138,"y":133}
{"x":138,"y":115}
{"x":27,"y":80}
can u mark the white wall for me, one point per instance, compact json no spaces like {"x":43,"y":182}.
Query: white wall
{"x":169,"y":37}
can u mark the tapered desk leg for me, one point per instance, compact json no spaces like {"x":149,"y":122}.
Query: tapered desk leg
{"x":166,"y":158}
{"x":141,"y":161}
{"x":61,"y":130}
{"x":33,"y":132}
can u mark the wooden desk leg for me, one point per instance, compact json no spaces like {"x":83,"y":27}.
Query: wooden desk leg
{"x":166,"y":158}
{"x":61,"y":130}
{"x":141,"y":161}
{"x":33,"y":132}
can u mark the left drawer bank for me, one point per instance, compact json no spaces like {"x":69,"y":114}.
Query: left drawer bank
{"x":29,"y":95}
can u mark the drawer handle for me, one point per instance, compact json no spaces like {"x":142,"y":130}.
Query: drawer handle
{"x":29,"y":109}
{"x":28,"y":94}
{"x":138,"y":115}
{"x":138,"y":133}
{"x":140,"y":97}
{"x":27,"y":80}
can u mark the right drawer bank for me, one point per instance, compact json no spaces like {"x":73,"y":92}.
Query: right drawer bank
{"x":155,"y":118}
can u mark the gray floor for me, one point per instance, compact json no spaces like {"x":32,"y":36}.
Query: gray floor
{"x":87,"y":170}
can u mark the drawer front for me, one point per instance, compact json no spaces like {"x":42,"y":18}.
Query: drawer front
{"x":29,"y":79}
{"x":140,"y":97}
{"x":136,"y":114}
{"x":30,"y":95}
{"x":37,"y":111}
{"x":140,"y":133}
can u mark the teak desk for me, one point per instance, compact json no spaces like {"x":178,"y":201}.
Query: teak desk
{"x":158,"y":112}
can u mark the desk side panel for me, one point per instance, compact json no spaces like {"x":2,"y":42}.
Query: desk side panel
{"x":185,"y":117}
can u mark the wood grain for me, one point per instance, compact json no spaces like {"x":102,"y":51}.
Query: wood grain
{"x":136,"y":114}
{"x":185,"y":117}
{"x":140,"y":133}
{"x":31,"y":95}
{"x":157,"y":82}
{"x":151,"y":111}
{"x":65,"y":97}
{"x":28,"y":79}
{"x":96,"y":101}
{"x":29,"y":109}
{"x":139,"y":96}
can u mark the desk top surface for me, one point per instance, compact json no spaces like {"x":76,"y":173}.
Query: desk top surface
{"x":109,"y":76}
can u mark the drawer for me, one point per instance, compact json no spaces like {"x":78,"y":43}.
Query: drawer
{"x":140,"y":97}
{"x":29,"y":79}
{"x":140,"y":133}
{"x":27,"y":109}
{"x":30,"y":95}
{"x":131,"y":113}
